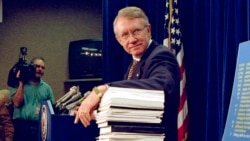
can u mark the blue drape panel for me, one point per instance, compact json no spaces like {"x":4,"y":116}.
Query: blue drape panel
{"x":211,"y":31}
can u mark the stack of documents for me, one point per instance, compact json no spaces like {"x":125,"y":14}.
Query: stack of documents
{"x":131,"y":114}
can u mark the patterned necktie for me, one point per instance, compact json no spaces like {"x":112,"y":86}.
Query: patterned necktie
{"x":131,"y":70}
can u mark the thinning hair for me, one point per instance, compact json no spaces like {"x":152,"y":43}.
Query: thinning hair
{"x":133,"y":13}
{"x":37,"y":58}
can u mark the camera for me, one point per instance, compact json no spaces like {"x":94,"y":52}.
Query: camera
{"x":26,"y":70}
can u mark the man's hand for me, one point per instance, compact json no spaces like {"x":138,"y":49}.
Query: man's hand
{"x":86,"y":109}
{"x":18,"y":74}
{"x":85,"y":113}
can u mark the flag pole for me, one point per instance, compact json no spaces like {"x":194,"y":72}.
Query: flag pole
{"x":169,"y":23}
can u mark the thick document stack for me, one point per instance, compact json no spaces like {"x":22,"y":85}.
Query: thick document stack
{"x":131,"y":114}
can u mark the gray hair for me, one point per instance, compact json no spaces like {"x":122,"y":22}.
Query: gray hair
{"x":133,"y":13}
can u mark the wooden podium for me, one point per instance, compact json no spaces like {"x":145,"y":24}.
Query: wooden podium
{"x":55,"y":127}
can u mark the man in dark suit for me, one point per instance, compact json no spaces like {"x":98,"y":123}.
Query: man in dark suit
{"x":154,"y":67}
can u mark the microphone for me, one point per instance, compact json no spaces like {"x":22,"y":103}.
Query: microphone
{"x":72,"y":99}
{"x":78,"y":102}
{"x":73,"y":90}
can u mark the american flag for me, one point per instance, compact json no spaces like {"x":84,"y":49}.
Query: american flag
{"x":173,"y":41}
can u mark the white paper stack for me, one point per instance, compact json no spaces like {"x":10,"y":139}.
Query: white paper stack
{"x":131,"y":114}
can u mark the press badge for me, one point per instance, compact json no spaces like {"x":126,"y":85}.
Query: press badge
{"x":37,"y":110}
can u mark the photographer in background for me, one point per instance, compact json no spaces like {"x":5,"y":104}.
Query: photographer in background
{"x":27,"y":98}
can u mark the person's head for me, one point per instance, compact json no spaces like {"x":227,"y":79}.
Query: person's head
{"x":39,"y":63}
{"x":132,"y":30}
{"x":4,"y":96}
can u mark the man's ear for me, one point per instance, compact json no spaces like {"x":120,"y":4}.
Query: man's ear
{"x":149,"y":28}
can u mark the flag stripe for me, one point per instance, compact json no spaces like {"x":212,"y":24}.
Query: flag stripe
{"x":173,"y":41}
{"x":182,"y":115}
{"x":182,"y":134}
{"x":180,"y":57}
{"x":183,"y":99}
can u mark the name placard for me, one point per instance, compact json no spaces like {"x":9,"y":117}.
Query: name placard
{"x":238,"y":120}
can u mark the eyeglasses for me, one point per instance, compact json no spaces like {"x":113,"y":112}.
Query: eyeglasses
{"x":136,"y":32}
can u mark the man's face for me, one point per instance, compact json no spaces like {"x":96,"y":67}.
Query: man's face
{"x":39,"y":68}
{"x":133,"y":35}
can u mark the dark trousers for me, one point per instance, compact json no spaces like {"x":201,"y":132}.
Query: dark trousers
{"x":26,"y":130}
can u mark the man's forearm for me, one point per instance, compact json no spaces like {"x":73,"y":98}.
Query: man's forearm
{"x":19,"y":95}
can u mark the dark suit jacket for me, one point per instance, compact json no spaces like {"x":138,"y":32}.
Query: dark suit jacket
{"x":158,"y":70}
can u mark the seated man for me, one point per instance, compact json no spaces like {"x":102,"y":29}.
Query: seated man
{"x":156,"y":68}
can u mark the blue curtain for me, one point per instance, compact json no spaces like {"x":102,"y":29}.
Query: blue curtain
{"x":211,"y":31}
